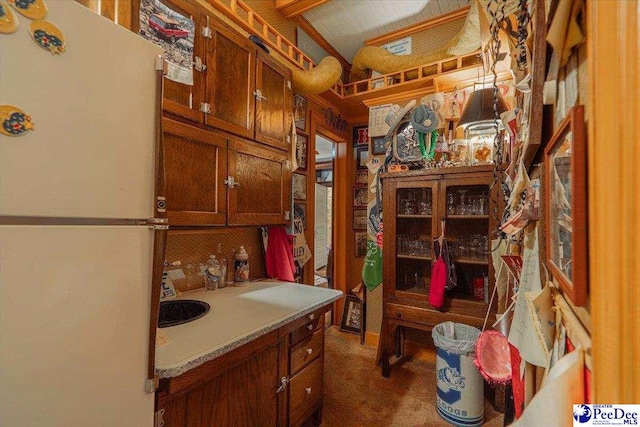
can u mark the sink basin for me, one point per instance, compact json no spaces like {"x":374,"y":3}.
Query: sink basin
{"x":177,"y":312}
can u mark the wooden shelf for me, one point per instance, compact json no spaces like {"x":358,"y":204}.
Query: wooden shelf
{"x":420,"y":290}
{"x":470,"y":261}
{"x":467,"y":216}
{"x":414,"y":216}
{"x":416,"y":257}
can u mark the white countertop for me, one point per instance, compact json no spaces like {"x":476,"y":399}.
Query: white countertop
{"x":237,"y":316}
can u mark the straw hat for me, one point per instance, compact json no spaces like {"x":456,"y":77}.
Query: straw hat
{"x":395,"y":115}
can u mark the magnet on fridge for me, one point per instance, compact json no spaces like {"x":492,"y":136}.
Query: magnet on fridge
{"x":32,"y":9}
{"x":8,"y":20}
{"x":47,"y":36}
{"x":15,"y":122}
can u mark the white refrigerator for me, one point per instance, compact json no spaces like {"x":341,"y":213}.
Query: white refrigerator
{"x":76,"y":254}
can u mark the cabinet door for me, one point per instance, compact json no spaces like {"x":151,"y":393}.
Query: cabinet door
{"x":244,"y":395}
{"x":230,"y":82}
{"x":274,"y":104}
{"x":195,"y":168}
{"x":183,"y":99}
{"x":411,"y":207}
{"x":467,"y":203}
{"x":263,"y":196}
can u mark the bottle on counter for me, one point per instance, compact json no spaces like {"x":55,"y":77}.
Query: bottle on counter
{"x":222,"y":277}
{"x":212,"y":274}
{"x":241,"y":266}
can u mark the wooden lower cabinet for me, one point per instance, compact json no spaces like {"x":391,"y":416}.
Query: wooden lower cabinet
{"x":245,"y":387}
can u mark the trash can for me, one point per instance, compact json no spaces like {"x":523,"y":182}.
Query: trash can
{"x":460,"y":387}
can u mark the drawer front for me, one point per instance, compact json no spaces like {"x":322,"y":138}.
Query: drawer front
{"x":305,"y":392}
{"x":313,"y":323}
{"x":306,"y":351}
{"x":428,"y":317}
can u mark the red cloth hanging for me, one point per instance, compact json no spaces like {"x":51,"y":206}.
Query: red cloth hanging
{"x":517,"y":383}
{"x":279,"y":255}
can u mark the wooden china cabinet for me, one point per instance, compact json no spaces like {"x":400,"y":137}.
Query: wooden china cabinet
{"x":416,"y":206}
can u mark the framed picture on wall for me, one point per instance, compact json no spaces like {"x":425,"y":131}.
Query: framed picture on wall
{"x":362,"y":177}
{"x":362,"y":157}
{"x":361,"y":135}
{"x":300,"y":112}
{"x":299,"y":186}
{"x":378,"y":145}
{"x":360,"y":197}
{"x":361,"y":244}
{"x":352,"y":315}
{"x":300,"y":212}
{"x":359,"y":219}
{"x":301,"y":151}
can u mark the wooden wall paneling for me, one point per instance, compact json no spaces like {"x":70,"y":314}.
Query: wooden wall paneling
{"x":91,"y":4}
{"x":108,"y":9}
{"x":341,"y":200}
{"x":613,"y":114}
{"x":124,"y":14}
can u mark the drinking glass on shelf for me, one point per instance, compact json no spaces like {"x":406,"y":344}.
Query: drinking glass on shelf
{"x":407,"y":207}
{"x":462,"y":208}
{"x":451,"y":203}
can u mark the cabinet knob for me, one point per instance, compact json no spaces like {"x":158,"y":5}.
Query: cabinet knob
{"x":398,"y":314}
{"x":309,"y":350}
{"x":231,"y":182}
{"x":308,"y":390}
{"x":283,"y":384}
{"x":258,"y":95}
{"x":310,"y":327}
{"x":311,"y":316}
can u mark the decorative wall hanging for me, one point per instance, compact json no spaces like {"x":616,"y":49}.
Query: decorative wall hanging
{"x":378,"y":146}
{"x":174,"y":31}
{"x":360,"y":135}
{"x":301,"y":151}
{"x":300,"y":112}
{"x":299,"y":186}
{"x":32,"y":9}
{"x":15,"y":122}
{"x":362,"y":157}
{"x":566,"y":205}
{"x":47,"y":36}
{"x":8,"y":20}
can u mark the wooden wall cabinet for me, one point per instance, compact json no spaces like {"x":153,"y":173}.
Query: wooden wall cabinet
{"x":237,"y":87}
{"x":199,"y":166}
{"x":415,"y":203}
{"x":274,"y":380}
{"x":262,"y":194}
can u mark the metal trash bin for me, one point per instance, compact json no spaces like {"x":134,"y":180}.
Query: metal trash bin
{"x":460,"y":387}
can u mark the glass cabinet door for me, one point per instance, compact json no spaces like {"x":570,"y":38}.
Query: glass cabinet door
{"x":467,"y":213}
{"x":414,"y":218}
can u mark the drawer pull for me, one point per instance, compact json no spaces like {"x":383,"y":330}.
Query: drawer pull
{"x":398,"y":314}
{"x":308,"y":390}
{"x":283,"y":384}
{"x":309,"y":350}
{"x":310,"y":327}
{"x":311,"y":316}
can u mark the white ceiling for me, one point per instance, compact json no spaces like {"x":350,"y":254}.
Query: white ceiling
{"x":346,"y":24}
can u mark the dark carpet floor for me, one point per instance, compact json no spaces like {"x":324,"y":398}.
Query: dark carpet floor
{"x":357,"y":395}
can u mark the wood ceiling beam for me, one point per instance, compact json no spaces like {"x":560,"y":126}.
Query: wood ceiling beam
{"x":291,"y":8}
{"x":415,"y":28}
{"x":322,"y":42}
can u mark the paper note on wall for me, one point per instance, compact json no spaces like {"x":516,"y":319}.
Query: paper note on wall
{"x":523,"y":334}
{"x":377,"y":125}
{"x":552,"y":405}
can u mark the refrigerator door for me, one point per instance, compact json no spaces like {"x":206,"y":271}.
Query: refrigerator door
{"x":74,"y":326}
{"x":91,"y":152}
